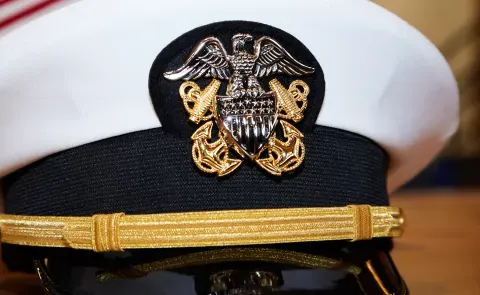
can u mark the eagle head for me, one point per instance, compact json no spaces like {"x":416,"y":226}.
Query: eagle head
{"x":239,"y":41}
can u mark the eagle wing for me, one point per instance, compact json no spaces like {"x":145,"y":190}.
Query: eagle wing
{"x":208,"y":59}
{"x":272,"y":59}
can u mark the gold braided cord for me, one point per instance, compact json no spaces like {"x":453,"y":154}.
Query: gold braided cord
{"x":363,"y":218}
{"x":115,"y":232}
{"x":105,"y":232}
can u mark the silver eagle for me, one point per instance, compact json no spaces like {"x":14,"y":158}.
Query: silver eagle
{"x":210,"y":59}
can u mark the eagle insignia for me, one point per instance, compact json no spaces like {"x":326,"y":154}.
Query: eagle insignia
{"x":246,"y":115}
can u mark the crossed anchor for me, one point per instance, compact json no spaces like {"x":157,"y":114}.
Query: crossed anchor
{"x":214,"y":157}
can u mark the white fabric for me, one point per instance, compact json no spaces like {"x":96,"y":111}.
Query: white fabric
{"x":80,"y":74}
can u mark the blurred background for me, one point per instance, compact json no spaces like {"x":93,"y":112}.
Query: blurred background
{"x":439,"y":253}
{"x":454,"y":26}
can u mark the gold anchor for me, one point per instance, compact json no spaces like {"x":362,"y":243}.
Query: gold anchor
{"x":199,"y":103}
{"x":212,"y":157}
{"x":284,"y":156}
{"x":289,"y":99}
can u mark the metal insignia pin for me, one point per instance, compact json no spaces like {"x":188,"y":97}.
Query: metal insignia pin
{"x":246,"y":115}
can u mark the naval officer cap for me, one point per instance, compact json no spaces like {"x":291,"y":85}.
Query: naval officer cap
{"x":186,"y":125}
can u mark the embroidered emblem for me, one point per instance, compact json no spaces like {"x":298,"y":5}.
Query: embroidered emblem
{"x":247,"y":115}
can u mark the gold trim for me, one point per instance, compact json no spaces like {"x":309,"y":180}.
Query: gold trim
{"x":278,"y":256}
{"x":371,"y":269}
{"x":363,"y":218}
{"x":200,"y":229}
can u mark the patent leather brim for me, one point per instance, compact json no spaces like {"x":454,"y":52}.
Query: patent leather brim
{"x":294,"y":273}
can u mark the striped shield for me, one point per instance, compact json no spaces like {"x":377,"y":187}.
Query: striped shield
{"x":248,"y":121}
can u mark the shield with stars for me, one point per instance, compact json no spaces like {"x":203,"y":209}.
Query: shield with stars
{"x":248,"y":122}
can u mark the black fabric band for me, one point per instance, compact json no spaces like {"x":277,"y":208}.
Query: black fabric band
{"x":152,"y":172}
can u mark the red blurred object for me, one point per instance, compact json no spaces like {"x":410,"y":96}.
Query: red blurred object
{"x":12,"y":11}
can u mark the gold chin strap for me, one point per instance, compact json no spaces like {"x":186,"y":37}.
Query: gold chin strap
{"x":116,"y":232}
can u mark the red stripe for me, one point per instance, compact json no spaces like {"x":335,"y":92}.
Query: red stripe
{"x":2,"y":2}
{"x":25,"y":13}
